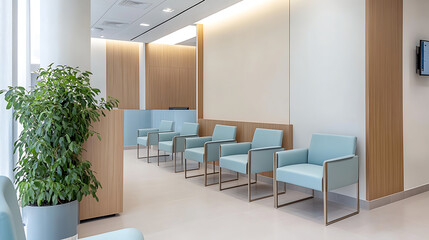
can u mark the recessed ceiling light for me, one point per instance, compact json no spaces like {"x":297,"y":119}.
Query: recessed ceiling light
{"x":144,"y":24}
{"x":102,"y":36}
{"x":168,"y":10}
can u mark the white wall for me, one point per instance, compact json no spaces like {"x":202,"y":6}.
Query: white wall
{"x":98,"y":65}
{"x":416,"y":96}
{"x":327,"y":81}
{"x":246,"y":62}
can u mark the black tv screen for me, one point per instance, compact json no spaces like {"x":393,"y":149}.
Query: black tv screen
{"x":424,"y":58}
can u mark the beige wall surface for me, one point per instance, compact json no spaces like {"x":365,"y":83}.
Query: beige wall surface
{"x":416,"y":96}
{"x":246,"y":62}
{"x":327,"y":82}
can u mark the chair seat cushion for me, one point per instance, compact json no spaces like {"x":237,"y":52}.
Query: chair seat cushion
{"x":166,"y":146}
{"x":195,"y":154}
{"x":127,"y":233}
{"x":142,"y":141}
{"x":304,"y":175}
{"x":236,"y":163}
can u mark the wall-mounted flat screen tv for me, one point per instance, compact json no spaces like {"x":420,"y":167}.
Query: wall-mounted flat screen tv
{"x":424,"y":58}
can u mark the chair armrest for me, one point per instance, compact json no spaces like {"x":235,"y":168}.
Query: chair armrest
{"x":127,"y":233}
{"x":167,"y":136}
{"x":234,"y":148}
{"x":179,"y":142}
{"x":196,"y":142}
{"x":341,"y":172}
{"x":153,"y":137}
{"x":291,"y":157}
{"x":261,"y":159}
{"x":211,"y":149}
{"x":144,"y":132}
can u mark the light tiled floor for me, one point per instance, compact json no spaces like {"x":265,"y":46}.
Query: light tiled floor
{"x":164,"y":205}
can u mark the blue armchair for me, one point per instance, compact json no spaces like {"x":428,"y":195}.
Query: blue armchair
{"x":174,"y":142}
{"x":329,"y":163}
{"x":12,"y":228}
{"x":206,"y":149}
{"x":247,"y":158}
{"x":150,"y":136}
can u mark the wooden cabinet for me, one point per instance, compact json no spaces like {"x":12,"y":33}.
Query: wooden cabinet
{"x":106,"y":157}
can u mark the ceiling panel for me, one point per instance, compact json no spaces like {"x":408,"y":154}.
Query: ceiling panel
{"x":115,"y":19}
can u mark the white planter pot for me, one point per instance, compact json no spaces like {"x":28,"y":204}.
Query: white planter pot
{"x":51,"y":222}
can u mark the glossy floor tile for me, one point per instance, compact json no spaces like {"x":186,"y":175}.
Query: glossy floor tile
{"x":164,"y":205}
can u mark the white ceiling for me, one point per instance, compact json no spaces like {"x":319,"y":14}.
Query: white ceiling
{"x":116,"y":19}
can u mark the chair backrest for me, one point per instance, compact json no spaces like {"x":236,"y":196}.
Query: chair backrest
{"x":222,"y":132}
{"x":189,"y":128}
{"x":267,"y":138}
{"x":11,"y":227}
{"x":324,"y":147}
{"x":166,"y":125}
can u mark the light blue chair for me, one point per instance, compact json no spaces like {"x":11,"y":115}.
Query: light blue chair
{"x":174,"y":142}
{"x":247,"y":158}
{"x":12,"y":228}
{"x":149,"y":136}
{"x":329,"y":163}
{"x":206,"y":149}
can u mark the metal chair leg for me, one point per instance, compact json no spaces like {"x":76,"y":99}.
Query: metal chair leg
{"x":148,"y":158}
{"x":185,"y":170}
{"x":249,"y":184}
{"x":175,"y":165}
{"x":220,"y":178}
{"x":205,"y":171}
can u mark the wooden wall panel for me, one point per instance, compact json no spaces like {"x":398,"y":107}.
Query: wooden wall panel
{"x":245,"y":131}
{"x":170,"y":76}
{"x":106,"y":157}
{"x":384,"y":122}
{"x":200,"y":46}
{"x":122,"y":76}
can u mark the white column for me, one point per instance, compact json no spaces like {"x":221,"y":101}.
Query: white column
{"x":65,"y":35}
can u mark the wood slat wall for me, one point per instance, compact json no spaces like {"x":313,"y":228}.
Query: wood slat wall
{"x":170,"y":76}
{"x":245,"y":131}
{"x":106,"y":157}
{"x":122,"y":74}
{"x":384,"y":115}
{"x":200,"y":46}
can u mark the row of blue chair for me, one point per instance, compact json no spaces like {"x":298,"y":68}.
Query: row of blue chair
{"x":330,"y":157}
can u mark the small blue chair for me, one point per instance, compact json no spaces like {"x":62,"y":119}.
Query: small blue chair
{"x":174,"y":142}
{"x":12,"y":228}
{"x":329,"y":163}
{"x":247,"y":158}
{"x":149,"y":136}
{"x":206,"y":149}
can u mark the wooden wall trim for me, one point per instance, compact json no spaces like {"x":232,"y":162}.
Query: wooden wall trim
{"x":200,"y":46}
{"x":122,"y":73}
{"x":170,"y":76}
{"x":384,"y":108}
{"x":245,"y":131}
{"x":106,"y":157}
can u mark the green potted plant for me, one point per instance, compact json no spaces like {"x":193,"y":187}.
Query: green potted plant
{"x":51,"y":176}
